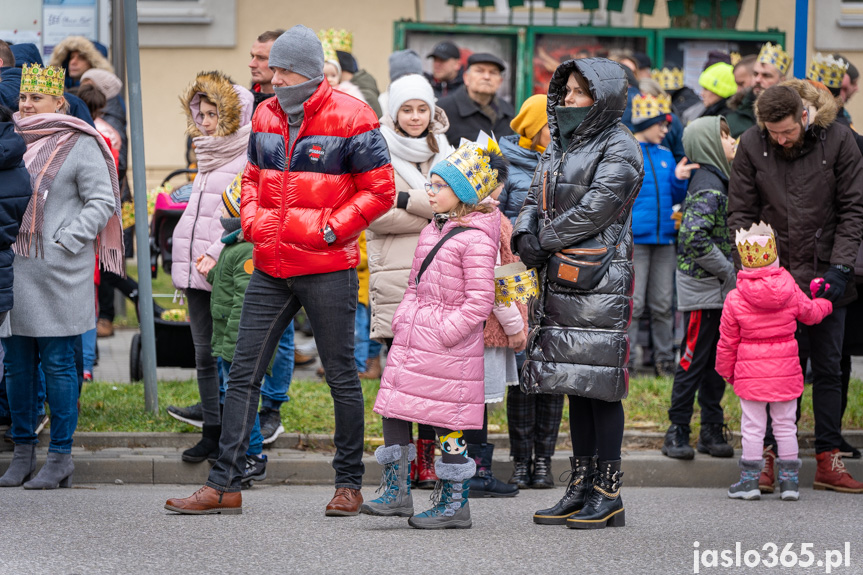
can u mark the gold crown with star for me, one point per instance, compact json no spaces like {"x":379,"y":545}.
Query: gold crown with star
{"x":775,"y":55}
{"x":757,"y":246}
{"x":828,"y":70}
{"x":340,"y":40}
{"x":669,"y":79}
{"x":645,"y":107}
{"x":49,"y":80}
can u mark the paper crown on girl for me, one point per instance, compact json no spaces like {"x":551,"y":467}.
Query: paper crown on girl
{"x":514,"y":282}
{"x":647,"y":107}
{"x":340,"y":40}
{"x":669,"y":80}
{"x":231,"y":196}
{"x":467,"y":170}
{"x":757,"y":246}
{"x":775,"y":55}
{"x":828,"y":70}
{"x":39,"y":80}
{"x":329,"y":52}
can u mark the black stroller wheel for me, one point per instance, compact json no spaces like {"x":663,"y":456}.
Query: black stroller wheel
{"x":136,"y":366}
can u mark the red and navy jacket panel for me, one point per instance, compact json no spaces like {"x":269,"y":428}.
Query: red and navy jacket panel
{"x":337,"y":174}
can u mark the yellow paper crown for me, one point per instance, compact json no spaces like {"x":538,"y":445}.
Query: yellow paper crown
{"x":39,"y":80}
{"x":645,"y":107}
{"x":329,"y":52}
{"x":828,"y":70}
{"x":735,"y":58}
{"x":340,"y":40}
{"x":669,"y":80}
{"x":775,"y":55}
{"x":514,"y":282}
{"x":756,"y":251}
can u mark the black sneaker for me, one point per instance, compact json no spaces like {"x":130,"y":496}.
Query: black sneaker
{"x":676,"y":443}
{"x":271,"y":424}
{"x":193,"y":415}
{"x":713,"y":439}
{"x":256,"y":470}
{"x":664,"y":368}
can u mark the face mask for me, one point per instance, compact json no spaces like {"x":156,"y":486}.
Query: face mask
{"x":568,"y":120}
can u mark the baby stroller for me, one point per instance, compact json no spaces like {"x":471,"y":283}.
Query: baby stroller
{"x":174,"y":346}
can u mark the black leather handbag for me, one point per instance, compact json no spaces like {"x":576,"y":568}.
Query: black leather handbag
{"x":582,"y":265}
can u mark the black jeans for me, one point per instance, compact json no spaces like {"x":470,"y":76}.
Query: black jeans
{"x":696,"y":371}
{"x":107,"y":284}
{"x":201,"y":323}
{"x":330,"y":300}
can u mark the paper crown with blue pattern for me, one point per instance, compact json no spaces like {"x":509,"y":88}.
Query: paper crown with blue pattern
{"x":669,"y":80}
{"x":468,"y":171}
{"x":231,"y":196}
{"x":646,"y":107}
{"x":828,"y":70}
{"x":774,"y":54}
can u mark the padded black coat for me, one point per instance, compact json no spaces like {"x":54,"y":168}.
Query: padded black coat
{"x":578,"y":343}
{"x":15,"y":192}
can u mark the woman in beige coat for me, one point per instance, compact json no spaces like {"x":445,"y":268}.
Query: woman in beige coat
{"x":414,"y":129}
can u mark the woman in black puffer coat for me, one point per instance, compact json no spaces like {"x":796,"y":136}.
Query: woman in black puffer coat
{"x":578,"y":345}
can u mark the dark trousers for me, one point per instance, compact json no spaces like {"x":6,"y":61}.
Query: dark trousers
{"x":596,"y":427}
{"x":825,"y":353}
{"x":330,"y":300}
{"x":107,"y":284}
{"x":696,"y":372}
{"x":534,"y":422}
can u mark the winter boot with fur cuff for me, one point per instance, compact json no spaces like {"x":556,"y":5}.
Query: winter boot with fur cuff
{"x":747,"y":487}
{"x":604,"y":506}
{"x":57,"y":472}
{"x":577,"y":489}
{"x":484,"y":483}
{"x":451,"y":508}
{"x":22,"y":466}
{"x":396,"y":499}
{"x":789,"y":480}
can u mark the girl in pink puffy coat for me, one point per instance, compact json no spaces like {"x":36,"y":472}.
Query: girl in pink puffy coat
{"x":435,"y":370}
{"x":757,"y":354}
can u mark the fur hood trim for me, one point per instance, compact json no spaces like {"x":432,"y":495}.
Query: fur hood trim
{"x":234,"y":105}
{"x":820,"y":104}
{"x":84,"y":47}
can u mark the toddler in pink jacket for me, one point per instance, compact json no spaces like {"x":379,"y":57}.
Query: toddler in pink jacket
{"x":434,"y":372}
{"x":757,"y":354}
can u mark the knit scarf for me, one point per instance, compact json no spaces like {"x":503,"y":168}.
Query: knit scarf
{"x":407,"y":152}
{"x":49,"y":139}
{"x":215,"y":151}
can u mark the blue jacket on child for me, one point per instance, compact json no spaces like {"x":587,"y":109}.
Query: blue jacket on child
{"x":15,"y":192}
{"x":651,"y":213}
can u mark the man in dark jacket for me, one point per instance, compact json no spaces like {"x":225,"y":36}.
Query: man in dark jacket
{"x":259,"y":68}
{"x":327,"y":144}
{"x":446,"y":76}
{"x":801,"y":172}
{"x":476,"y":105}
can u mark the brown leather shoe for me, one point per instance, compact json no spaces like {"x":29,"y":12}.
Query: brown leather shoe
{"x":373,"y":369}
{"x":104,"y":328}
{"x":208,"y":501}
{"x":346,"y":502}
{"x":301,"y":359}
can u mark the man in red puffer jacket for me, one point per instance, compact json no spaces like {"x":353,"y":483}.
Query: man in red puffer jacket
{"x":318,"y":173}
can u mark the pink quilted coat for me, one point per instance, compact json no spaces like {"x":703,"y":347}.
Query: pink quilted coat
{"x":435,"y":371}
{"x":757,"y":352}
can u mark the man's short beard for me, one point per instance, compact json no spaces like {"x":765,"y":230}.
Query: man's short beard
{"x":793,"y":152}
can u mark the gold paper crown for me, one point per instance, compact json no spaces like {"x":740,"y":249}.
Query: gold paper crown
{"x":39,"y":80}
{"x":735,"y":58}
{"x":514,"y":282}
{"x":340,"y":40}
{"x":775,"y":55}
{"x":645,"y":107}
{"x":670,"y":80}
{"x":757,"y":253}
{"x":827,"y":70}
{"x":329,"y":52}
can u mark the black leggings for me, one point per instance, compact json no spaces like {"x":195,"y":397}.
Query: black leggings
{"x":596,"y":427}
{"x":398,"y":432}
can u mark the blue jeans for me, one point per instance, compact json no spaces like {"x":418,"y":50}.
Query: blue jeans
{"x":22,"y":359}
{"x":364,"y":348}
{"x":88,"y":340}
{"x":330,"y":300}
{"x":274,"y":392}
{"x":256,"y":440}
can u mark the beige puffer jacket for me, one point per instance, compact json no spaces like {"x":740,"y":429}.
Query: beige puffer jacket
{"x":391,"y":242}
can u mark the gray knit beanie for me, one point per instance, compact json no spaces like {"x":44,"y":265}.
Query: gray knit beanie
{"x":404,"y":62}
{"x":298,"y":50}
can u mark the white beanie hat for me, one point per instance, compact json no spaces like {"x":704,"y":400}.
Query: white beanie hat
{"x":410,"y":87}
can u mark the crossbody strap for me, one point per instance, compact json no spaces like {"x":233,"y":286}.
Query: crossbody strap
{"x":427,"y":262}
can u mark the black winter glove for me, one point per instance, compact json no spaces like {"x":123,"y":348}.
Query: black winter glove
{"x":402,"y":200}
{"x":530,"y":252}
{"x":837,"y":280}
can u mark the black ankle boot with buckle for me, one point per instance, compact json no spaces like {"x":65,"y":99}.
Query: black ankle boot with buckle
{"x":578,"y":487}
{"x":604,"y":506}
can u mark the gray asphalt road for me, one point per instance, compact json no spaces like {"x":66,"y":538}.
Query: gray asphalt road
{"x":125,"y":530}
